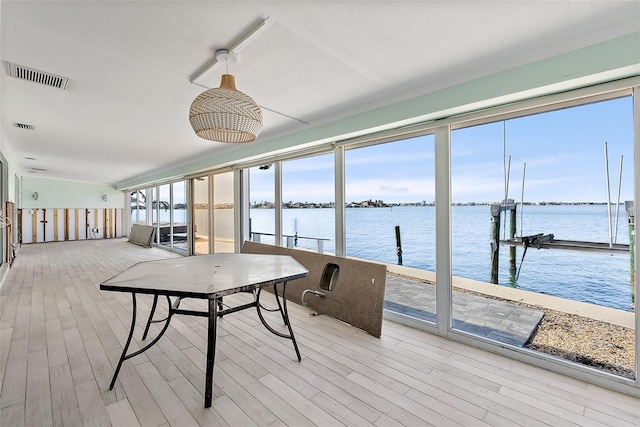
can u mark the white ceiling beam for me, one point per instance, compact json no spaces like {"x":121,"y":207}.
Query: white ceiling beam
{"x":210,"y":66}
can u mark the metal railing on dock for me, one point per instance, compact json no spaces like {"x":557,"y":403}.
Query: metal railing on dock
{"x":291,"y":239}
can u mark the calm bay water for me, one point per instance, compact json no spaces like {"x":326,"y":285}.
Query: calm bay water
{"x":595,"y":278}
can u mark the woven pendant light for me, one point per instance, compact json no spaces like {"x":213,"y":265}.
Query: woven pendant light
{"x":225,"y":114}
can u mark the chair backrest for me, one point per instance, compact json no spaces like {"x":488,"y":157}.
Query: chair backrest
{"x":329,"y":276}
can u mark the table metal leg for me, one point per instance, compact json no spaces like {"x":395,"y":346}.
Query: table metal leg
{"x":285,"y":317}
{"x":150,"y":320}
{"x":126,"y":356}
{"x":211,"y":351}
{"x":220,"y":304}
{"x":283,"y":312}
{"x":153,"y":310}
{"x":126,"y":346}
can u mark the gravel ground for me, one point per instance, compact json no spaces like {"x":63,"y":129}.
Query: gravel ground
{"x":590,"y":342}
{"x":587,"y":341}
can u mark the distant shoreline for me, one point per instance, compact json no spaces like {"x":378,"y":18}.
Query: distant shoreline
{"x":382,"y":204}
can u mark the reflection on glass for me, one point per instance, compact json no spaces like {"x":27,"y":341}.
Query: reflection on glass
{"x":138,"y":207}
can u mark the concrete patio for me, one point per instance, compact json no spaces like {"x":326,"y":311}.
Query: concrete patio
{"x":490,"y":318}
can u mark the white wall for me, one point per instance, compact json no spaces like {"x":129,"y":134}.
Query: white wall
{"x":6,"y":154}
{"x":68,"y":194}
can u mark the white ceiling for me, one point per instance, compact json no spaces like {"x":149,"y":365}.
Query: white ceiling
{"x":124,"y":113}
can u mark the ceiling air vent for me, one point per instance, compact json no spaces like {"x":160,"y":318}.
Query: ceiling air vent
{"x":24,"y":126}
{"x":25,"y":73}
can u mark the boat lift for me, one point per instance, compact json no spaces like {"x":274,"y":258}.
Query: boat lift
{"x":548,"y":241}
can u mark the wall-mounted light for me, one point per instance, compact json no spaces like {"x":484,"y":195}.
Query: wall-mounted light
{"x":35,"y":195}
{"x":104,"y":197}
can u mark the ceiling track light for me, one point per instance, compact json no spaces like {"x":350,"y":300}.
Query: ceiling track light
{"x":226,"y":57}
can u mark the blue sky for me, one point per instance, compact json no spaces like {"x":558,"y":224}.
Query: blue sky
{"x":563,"y":150}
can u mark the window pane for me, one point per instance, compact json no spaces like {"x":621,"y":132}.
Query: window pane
{"x":262,"y":202}
{"x":164,"y":215}
{"x":389,"y":194}
{"x":308,"y":216}
{"x":565,"y":197}
{"x":201,"y":215}
{"x":179,"y":216}
{"x":138,"y":207}
{"x":223,"y":212}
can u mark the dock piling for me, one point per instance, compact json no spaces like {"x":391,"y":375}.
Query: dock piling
{"x":398,"y":245}
{"x":496,"y":214}
{"x":512,"y":249}
{"x":495,"y":242}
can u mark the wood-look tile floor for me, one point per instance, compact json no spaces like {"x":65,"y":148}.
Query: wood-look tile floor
{"x":60,"y":338}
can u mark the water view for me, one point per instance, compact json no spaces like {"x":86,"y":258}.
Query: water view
{"x":595,"y":278}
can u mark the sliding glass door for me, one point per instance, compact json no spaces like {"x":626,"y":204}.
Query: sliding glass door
{"x":212,"y":214}
{"x":223,"y":218}
{"x":201,"y":215}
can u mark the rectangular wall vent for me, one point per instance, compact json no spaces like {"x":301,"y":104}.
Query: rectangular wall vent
{"x":24,"y":126}
{"x":26,"y":73}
